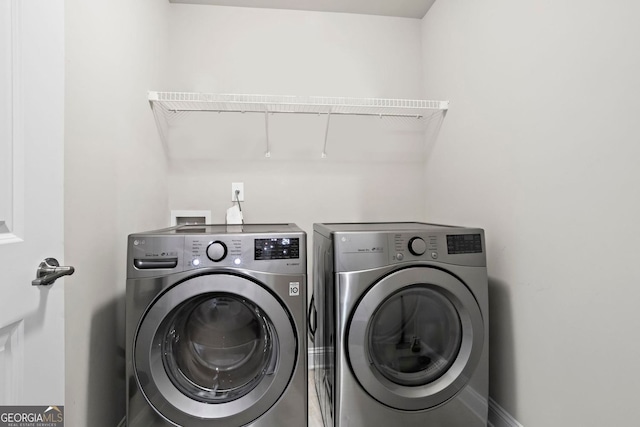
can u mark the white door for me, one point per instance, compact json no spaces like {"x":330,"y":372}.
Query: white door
{"x":31,"y":204}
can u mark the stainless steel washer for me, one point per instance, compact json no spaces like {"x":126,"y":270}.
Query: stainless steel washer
{"x":216,"y":321}
{"x":400,"y":325}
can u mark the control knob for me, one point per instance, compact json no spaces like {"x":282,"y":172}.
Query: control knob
{"x":417,"y":246}
{"x":216,"y":251}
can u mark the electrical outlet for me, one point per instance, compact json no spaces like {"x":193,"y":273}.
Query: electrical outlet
{"x":239,"y":186}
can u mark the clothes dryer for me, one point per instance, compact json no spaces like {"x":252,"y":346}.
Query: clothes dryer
{"x":402,"y":325}
{"x":216,"y":327}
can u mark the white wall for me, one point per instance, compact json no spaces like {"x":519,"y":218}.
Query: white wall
{"x":117,"y":179}
{"x":541,"y":148}
{"x":115,"y":184}
{"x":287,"y":52}
{"x":371,"y":174}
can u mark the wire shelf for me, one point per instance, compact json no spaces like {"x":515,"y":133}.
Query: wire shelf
{"x":185,"y":101}
{"x":170,"y":106}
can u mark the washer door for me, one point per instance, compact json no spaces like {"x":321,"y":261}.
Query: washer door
{"x":215,"y":350}
{"x":415,"y":338}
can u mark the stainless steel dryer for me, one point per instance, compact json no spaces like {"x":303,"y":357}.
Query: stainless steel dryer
{"x":401,"y":331}
{"x":216,"y":327}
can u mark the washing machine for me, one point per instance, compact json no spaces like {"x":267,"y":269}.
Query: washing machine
{"x":216,"y":326}
{"x":400,"y":325}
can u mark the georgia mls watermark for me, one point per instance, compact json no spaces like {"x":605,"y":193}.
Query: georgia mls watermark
{"x":31,"y":416}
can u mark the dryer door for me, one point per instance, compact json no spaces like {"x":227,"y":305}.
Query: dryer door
{"x":415,"y":338}
{"x":215,"y":350}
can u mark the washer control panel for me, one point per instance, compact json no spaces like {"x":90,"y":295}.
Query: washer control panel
{"x":207,"y":251}
{"x":241,"y":251}
{"x":277,"y":248}
{"x":280,"y":249}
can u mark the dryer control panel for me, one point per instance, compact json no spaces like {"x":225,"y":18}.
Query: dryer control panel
{"x":461,"y":248}
{"x":457,"y":246}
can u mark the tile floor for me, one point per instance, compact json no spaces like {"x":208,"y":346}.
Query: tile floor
{"x":315,"y":418}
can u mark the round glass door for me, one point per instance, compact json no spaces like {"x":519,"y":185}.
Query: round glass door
{"x":215,"y":350}
{"x":218,"y":347}
{"x":415,"y":338}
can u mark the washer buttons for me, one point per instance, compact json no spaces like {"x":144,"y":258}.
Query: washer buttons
{"x":434,"y":255}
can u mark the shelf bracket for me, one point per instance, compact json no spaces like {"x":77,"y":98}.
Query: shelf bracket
{"x":326,"y":136}
{"x":159,"y":116}
{"x":266,"y":129}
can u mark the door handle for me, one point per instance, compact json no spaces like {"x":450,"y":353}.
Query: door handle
{"x":49,"y":271}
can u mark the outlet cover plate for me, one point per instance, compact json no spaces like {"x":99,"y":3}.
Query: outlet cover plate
{"x":237,"y":186}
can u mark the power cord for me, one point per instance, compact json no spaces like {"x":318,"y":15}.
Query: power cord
{"x":239,"y":205}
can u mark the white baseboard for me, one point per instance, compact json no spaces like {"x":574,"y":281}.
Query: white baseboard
{"x":498,"y":417}
{"x":474,"y":401}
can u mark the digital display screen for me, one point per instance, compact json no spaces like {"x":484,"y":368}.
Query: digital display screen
{"x":281,"y":248}
{"x":464,"y":244}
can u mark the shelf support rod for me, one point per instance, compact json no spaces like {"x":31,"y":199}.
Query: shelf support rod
{"x":326,"y":136}
{"x":266,"y":128}
{"x":162,"y":124}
